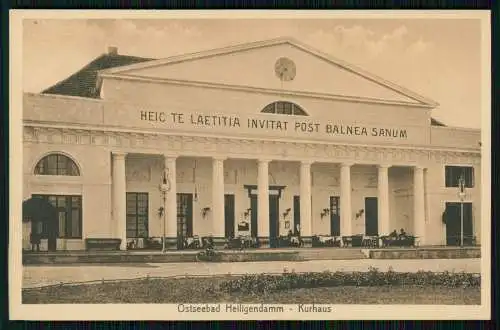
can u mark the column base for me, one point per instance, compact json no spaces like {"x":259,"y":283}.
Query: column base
{"x":263,"y":242}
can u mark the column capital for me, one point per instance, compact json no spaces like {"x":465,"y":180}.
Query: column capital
{"x":418,"y":167}
{"x":306,"y":162}
{"x":264,"y":160}
{"x":119,"y":154}
{"x":383,"y":166}
{"x":346,"y":164}
{"x":169,"y":156}
{"x":220,"y":158}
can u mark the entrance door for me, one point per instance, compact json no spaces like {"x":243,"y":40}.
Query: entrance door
{"x":229,"y":216}
{"x":274,"y":207}
{"x":334,"y":216}
{"x":273,"y":218}
{"x":137,"y":215}
{"x":371,"y":216}
{"x":453,"y":223}
{"x":253,"y":220}
{"x":296,"y":215}
{"x":184,"y":218}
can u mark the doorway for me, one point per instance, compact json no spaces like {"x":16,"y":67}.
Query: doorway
{"x":184,"y":218}
{"x":273,"y":218}
{"x":453,"y":223}
{"x":334,"y":215}
{"x":137,"y":215}
{"x":229,"y":216}
{"x":68,"y":221}
{"x":371,"y":216}
{"x":274,"y":207}
{"x":296,"y":215}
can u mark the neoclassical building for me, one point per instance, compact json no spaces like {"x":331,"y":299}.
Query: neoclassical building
{"x":257,"y":139}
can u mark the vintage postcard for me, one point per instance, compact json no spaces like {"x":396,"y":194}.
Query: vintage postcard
{"x":249,"y":165}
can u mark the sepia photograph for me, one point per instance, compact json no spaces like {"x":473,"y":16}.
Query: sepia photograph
{"x":262,"y":165}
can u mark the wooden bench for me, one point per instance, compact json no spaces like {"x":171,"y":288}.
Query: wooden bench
{"x":102,"y":244}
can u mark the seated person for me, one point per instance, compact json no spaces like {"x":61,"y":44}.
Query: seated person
{"x":402,"y":234}
{"x":294,"y":240}
{"x":393,"y":234}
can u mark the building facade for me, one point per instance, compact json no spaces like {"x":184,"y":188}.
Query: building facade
{"x":257,"y":139}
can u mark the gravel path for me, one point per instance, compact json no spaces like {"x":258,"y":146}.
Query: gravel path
{"x":34,"y":276}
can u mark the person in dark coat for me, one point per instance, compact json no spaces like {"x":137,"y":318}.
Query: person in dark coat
{"x":35,"y":238}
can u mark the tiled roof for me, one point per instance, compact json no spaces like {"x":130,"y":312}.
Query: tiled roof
{"x":83,"y":82}
{"x":435,"y":122}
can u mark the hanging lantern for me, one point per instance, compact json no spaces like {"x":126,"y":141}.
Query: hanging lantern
{"x":165,"y":184}
{"x":194,"y":179}
{"x":461,"y":186}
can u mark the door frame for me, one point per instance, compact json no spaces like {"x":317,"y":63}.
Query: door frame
{"x":330,"y":198}
{"x":252,"y":191}
{"x":296,"y":214}
{"x":469,"y":202}
{"x":188,"y":217}
{"x":376,"y":213}
{"x":227,"y":216}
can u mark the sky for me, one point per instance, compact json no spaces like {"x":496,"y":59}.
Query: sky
{"x":437,"y":58}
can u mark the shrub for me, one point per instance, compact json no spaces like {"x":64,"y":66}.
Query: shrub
{"x":261,"y":283}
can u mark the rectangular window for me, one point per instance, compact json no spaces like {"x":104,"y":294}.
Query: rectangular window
{"x":137,"y":215}
{"x":335,"y":215}
{"x":184,"y":215}
{"x":69,"y":216}
{"x":453,"y":174}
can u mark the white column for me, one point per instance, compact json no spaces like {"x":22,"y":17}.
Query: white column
{"x":263,"y":200}
{"x":119,"y":198}
{"x":305,"y":199}
{"x":171,"y":208}
{"x":419,"y":204}
{"x":345,"y":200}
{"x":218,"y":197}
{"x":383,"y":200}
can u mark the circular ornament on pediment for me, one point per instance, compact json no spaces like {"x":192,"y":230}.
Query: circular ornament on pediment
{"x":285,"y":69}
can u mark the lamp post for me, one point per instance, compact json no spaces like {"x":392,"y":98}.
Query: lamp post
{"x":461,"y":194}
{"x":164,"y":188}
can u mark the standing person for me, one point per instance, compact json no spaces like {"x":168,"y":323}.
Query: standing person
{"x":35,"y":237}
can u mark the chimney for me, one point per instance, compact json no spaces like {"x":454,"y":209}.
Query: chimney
{"x":112,"y":50}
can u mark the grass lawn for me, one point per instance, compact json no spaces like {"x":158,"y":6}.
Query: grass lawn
{"x":206,"y":290}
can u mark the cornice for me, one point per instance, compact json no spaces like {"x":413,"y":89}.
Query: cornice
{"x":250,"y":89}
{"x":195,"y":146}
{"x":137,"y":135}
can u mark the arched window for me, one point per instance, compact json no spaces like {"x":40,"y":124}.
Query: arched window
{"x":56,"y":164}
{"x":284,"y":108}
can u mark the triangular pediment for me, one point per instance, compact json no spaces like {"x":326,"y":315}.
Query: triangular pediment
{"x":253,"y":66}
